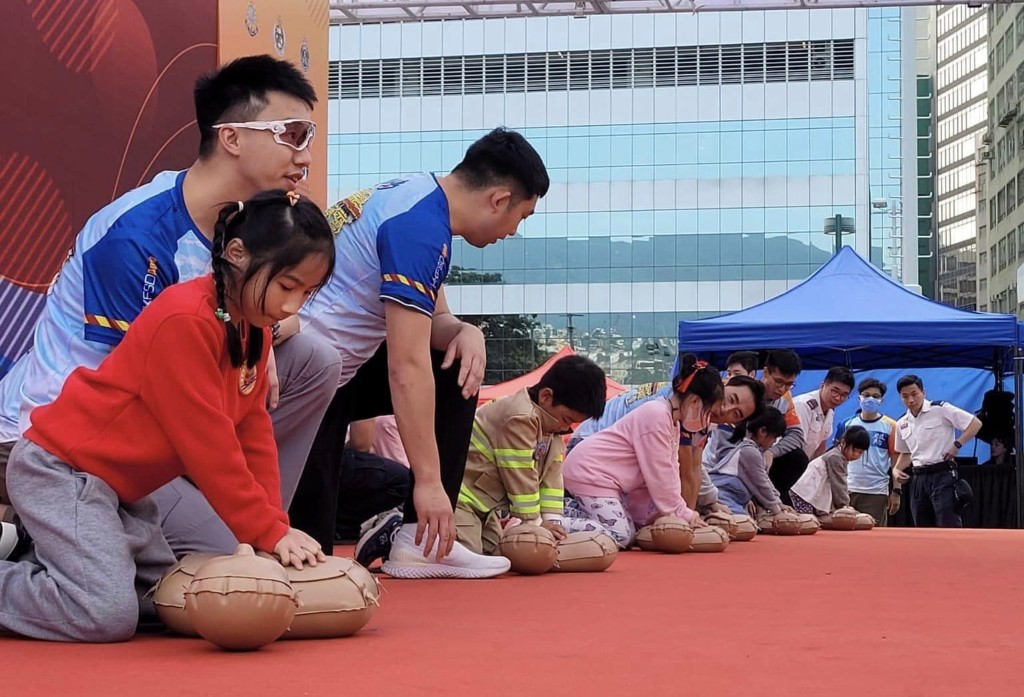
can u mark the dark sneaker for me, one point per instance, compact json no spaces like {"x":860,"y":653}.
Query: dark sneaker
{"x":375,"y":540}
{"x":14,"y":541}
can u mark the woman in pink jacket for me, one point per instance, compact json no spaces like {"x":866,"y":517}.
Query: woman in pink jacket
{"x":627,"y":475}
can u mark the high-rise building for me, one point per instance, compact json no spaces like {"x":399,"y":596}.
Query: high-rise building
{"x":1001,"y":181}
{"x":961,"y":88}
{"x":695,"y":161}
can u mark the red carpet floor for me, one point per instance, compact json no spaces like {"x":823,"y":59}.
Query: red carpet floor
{"x":886,"y":612}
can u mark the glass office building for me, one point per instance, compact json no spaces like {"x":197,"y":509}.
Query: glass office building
{"x":962,"y":99}
{"x":694,"y":161}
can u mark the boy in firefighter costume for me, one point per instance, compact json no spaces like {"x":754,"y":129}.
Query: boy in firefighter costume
{"x":514,"y":467}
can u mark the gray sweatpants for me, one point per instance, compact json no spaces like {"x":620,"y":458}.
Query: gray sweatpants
{"x":93,"y":558}
{"x":308,"y":368}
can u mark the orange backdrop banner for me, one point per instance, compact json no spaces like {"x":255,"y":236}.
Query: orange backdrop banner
{"x":295,"y":30}
{"x":97,"y":100}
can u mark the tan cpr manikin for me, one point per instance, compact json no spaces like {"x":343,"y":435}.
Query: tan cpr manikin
{"x":534,"y":550}
{"x":240,"y":602}
{"x":336,"y":598}
{"x":673,"y":535}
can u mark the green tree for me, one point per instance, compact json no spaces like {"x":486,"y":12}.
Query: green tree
{"x":460,"y":276}
{"x":512,"y":349}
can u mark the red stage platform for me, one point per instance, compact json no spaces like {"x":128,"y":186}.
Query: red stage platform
{"x":886,"y":612}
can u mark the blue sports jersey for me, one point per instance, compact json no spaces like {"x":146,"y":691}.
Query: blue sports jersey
{"x":393,"y":242}
{"x":869,"y":474}
{"x":125,"y":255}
{"x":617,"y":407}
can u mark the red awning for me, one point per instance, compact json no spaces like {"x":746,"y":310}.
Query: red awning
{"x":490,"y":392}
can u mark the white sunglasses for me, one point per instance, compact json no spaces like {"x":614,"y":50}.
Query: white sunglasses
{"x":297,"y":134}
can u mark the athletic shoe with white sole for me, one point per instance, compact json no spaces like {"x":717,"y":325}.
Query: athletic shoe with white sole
{"x":14,"y":541}
{"x":375,"y":536}
{"x":407,"y":561}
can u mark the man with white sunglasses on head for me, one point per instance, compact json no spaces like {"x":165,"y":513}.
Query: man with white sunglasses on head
{"x":254,"y":116}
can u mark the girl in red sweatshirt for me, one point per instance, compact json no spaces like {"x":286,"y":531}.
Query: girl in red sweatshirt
{"x":183,"y":394}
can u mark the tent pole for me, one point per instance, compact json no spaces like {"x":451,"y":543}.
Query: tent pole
{"x":1018,"y":422}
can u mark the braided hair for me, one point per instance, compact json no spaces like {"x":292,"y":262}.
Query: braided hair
{"x":223,"y":268}
{"x":279,"y":231}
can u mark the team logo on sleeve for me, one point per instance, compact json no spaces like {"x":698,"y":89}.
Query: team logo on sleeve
{"x":347,"y":210}
{"x":149,"y":282}
{"x":441,"y":268}
{"x":541,"y":451}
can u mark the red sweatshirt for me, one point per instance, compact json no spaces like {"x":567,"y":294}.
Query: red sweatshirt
{"x":167,"y":402}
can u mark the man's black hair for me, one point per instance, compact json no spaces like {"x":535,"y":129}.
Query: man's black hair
{"x":783,"y":361}
{"x":868,"y":383}
{"x":907,"y":381}
{"x":237,"y":91}
{"x":504,"y":157}
{"x":843,"y":376}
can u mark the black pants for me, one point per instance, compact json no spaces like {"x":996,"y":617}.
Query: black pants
{"x":786,"y":470}
{"x":370,"y":484}
{"x":932,"y":500}
{"x":367,"y":395}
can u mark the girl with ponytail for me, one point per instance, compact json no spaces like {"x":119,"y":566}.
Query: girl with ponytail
{"x":184,"y":394}
{"x":627,"y":475}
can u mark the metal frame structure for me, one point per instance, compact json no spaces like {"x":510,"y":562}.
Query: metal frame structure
{"x":389,"y":11}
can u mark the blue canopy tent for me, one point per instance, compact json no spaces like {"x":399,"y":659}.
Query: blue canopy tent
{"x":849,"y":313}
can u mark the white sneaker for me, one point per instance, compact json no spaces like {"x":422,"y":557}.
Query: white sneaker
{"x":406,"y":560}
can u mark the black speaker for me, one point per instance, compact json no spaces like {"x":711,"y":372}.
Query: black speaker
{"x":996,"y":415}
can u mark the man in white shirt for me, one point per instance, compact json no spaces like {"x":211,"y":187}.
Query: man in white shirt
{"x":926,"y":438}
{"x":816,"y":410}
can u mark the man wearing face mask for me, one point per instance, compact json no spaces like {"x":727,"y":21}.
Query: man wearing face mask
{"x":868,"y":476}
{"x":514,"y":467}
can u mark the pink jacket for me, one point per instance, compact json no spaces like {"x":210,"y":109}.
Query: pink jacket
{"x":636,"y":459}
{"x":386,"y":441}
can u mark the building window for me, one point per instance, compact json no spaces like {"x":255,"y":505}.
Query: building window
{"x":992,"y":258}
{"x":665,"y":71}
{"x":666,"y":66}
{"x":709,"y":62}
{"x":732,"y":64}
